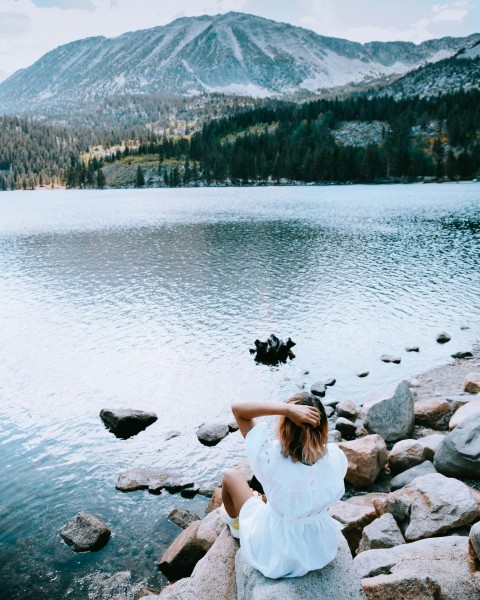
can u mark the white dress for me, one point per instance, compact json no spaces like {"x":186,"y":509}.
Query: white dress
{"x":293,"y":533}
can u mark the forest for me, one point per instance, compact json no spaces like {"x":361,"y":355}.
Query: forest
{"x":313,"y":142}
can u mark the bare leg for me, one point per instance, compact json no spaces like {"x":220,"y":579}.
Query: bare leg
{"x":235,"y":492}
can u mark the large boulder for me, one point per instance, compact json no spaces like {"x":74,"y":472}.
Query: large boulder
{"x":354,"y":518}
{"x":381,"y":533}
{"x":390,"y":412}
{"x":213,"y":576}
{"x":337,"y":580}
{"x":210,"y":434}
{"x":472,"y":383}
{"x":430,"y":505}
{"x":126,"y":422}
{"x":408,"y":453}
{"x":465,"y":412}
{"x":403,"y":479}
{"x":406,"y":585}
{"x":445,"y":560}
{"x":366,"y":458}
{"x":459,"y":453}
{"x":84,"y":533}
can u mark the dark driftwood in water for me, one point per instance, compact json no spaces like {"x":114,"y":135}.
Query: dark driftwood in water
{"x":273,"y":350}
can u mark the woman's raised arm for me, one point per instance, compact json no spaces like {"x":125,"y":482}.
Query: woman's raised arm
{"x":245,"y":413}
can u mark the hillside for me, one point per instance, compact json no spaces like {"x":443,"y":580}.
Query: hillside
{"x":232,"y":53}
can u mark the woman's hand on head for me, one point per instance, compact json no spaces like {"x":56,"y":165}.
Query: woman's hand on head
{"x":302,"y":415}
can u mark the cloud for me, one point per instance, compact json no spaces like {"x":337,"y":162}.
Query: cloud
{"x":14,"y":24}
{"x":65,"y":4}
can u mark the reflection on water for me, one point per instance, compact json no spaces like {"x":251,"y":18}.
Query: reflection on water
{"x":150,"y":299}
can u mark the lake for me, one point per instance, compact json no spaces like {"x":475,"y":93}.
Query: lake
{"x":151,"y":299}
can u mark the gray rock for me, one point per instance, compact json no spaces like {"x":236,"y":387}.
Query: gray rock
{"x":353,"y":517}
{"x":475,"y":539}
{"x":190,"y":492}
{"x":176,"y":483}
{"x":366,"y":458}
{"x":412,"y":349}
{"x":330,"y":402}
{"x":363,"y":373}
{"x":140,"y":479}
{"x":336,"y":581}
{"x":389,"y":358}
{"x":409,"y":475}
{"x":406,"y":454}
{"x":328,"y":381}
{"x":318,"y":389}
{"x":329,"y":410}
{"x":346,"y":428}
{"x":430,"y":505}
{"x":347,"y":409}
{"x":445,"y":560}
{"x":443,"y":337}
{"x":107,"y":586}
{"x":459,"y":453}
{"x":126,"y":422}
{"x":472,"y":383}
{"x":209,"y":529}
{"x":183,"y":518}
{"x":213,"y":577}
{"x":432,"y":441}
{"x":381,"y":533}
{"x":334,"y":436}
{"x":467,"y":411}
{"x":462,"y":355}
{"x":390,"y":412}
{"x":84,"y":533}
{"x":210,"y":434}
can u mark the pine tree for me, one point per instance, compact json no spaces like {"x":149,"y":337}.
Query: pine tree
{"x":139,"y":177}
{"x":101,"y":179}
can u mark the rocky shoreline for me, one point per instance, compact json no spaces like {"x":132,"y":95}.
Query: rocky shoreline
{"x":410,"y":518}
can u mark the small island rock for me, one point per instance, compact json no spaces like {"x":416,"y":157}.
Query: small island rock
{"x":84,"y":533}
{"x":389,"y":358}
{"x":126,"y":422}
{"x":210,"y":434}
{"x":443,"y":337}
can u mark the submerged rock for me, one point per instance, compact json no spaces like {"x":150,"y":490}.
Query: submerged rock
{"x":412,"y":349}
{"x":462,"y":355}
{"x":362,"y":373}
{"x":126,"y":422}
{"x":84,"y":533}
{"x":389,"y":358}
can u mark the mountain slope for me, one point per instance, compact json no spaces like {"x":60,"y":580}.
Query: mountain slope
{"x":458,"y":73}
{"x":232,"y":53}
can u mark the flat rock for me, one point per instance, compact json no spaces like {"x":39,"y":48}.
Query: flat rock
{"x":176,"y":483}
{"x":126,"y":422}
{"x":430,"y":505}
{"x":362,"y":373}
{"x":409,"y":475}
{"x":318,"y":389}
{"x":347,"y":409}
{"x":467,"y":411}
{"x":405,"y":585}
{"x":462,"y":355}
{"x":390,"y":412}
{"x":353,"y":517}
{"x":183,"y":518}
{"x":472,"y":383}
{"x":210,"y":434}
{"x":328,"y":381}
{"x":338,"y":580}
{"x":445,"y":560}
{"x":139,"y":479}
{"x":459,"y":453}
{"x":412,"y":349}
{"x":213,"y":576}
{"x":406,"y":454}
{"x":390,"y":358}
{"x":346,"y":428}
{"x":85,"y":532}
{"x":443,"y":337}
{"x":381,"y":533}
{"x":366,"y":458}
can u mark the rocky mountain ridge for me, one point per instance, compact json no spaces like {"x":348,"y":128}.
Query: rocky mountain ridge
{"x":232,"y":53}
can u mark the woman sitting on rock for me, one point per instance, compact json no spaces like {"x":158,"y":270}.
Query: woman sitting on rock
{"x":301,"y":476}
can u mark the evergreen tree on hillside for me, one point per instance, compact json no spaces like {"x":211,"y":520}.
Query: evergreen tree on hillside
{"x":139,"y":177}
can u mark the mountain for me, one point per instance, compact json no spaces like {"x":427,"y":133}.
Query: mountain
{"x":232,"y":53}
{"x":458,"y":73}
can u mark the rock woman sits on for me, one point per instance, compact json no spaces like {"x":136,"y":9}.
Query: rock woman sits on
{"x":301,"y":476}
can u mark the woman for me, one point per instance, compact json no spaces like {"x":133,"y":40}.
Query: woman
{"x":301,"y":475}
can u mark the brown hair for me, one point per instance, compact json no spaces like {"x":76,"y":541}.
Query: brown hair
{"x":308,"y":443}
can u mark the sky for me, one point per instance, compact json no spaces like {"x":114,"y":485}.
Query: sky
{"x":30,"y":28}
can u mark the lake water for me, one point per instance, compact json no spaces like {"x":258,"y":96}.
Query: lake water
{"x":151,"y":299}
